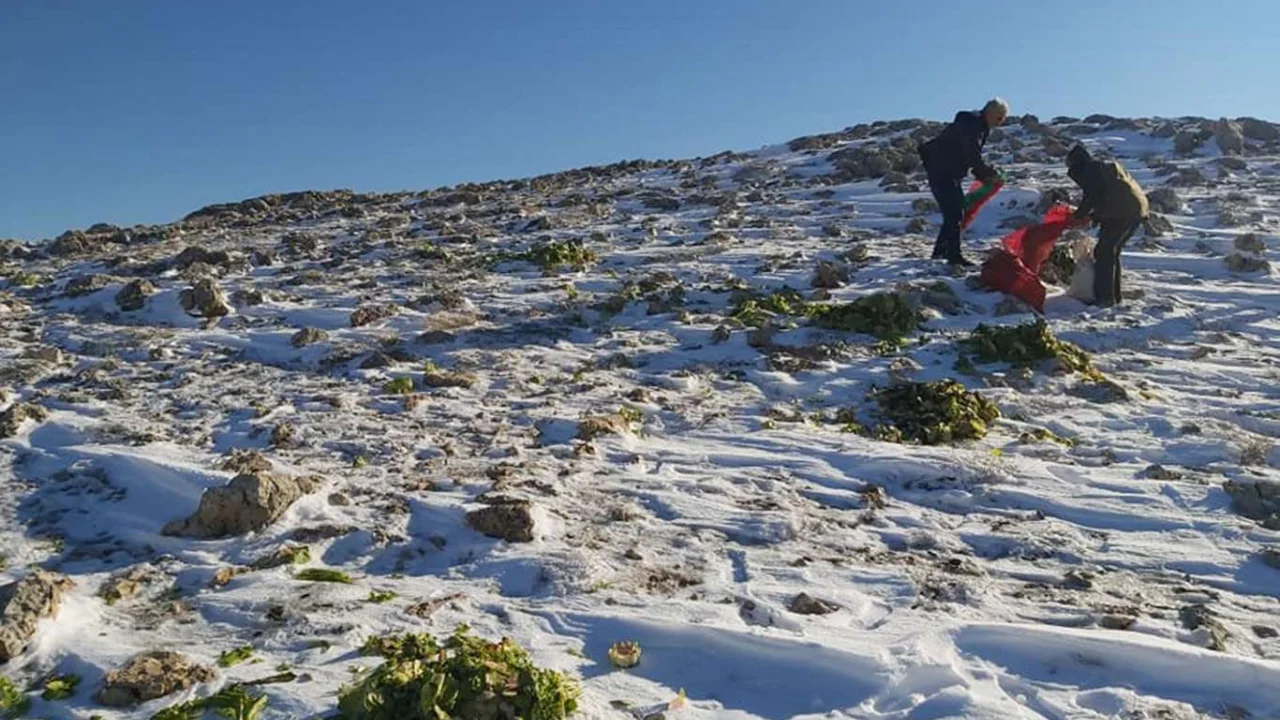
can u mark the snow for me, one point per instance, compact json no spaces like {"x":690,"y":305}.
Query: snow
{"x":986,"y":587}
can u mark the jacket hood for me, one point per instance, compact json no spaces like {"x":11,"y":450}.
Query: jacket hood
{"x":1078,"y":156}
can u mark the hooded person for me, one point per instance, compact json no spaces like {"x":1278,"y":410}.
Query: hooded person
{"x":950,"y":156}
{"x":1113,"y":199}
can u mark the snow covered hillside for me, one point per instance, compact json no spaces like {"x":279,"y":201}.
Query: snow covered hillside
{"x":641,"y":403}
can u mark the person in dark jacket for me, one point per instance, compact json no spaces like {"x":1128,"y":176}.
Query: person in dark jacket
{"x":1113,"y":199}
{"x":947,"y":159}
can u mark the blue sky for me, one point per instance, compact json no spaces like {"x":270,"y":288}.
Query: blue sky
{"x":134,"y":111}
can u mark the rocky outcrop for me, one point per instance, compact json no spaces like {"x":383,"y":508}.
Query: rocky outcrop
{"x":1165,"y":200}
{"x":86,"y":285}
{"x":506,"y":519}
{"x":1229,"y":136}
{"x":151,"y":675}
{"x":1258,"y":500}
{"x":13,"y":417}
{"x":205,"y":299}
{"x":23,"y":604}
{"x":133,"y":297}
{"x":250,"y":502}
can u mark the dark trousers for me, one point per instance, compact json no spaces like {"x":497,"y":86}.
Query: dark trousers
{"x":1112,"y":235}
{"x":950,"y":199}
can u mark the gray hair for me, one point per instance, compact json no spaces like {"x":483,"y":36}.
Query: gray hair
{"x":997,"y":103}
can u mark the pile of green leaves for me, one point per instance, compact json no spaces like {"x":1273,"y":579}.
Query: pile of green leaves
{"x":1059,"y":267}
{"x":464,"y":677}
{"x":233,"y":703}
{"x":559,"y":254}
{"x":755,"y":309}
{"x":1023,"y":346}
{"x":13,"y":703}
{"x":934,"y":413}
{"x":887,"y":316}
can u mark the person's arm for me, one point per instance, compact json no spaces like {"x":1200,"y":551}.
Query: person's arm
{"x":1090,"y":183}
{"x":971,"y":138}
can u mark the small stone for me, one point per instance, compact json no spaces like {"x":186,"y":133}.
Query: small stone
{"x":284,"y":435}
{"x":369,"y":314}
{"x":13,"y":416}
{"x":86,"y":285}
{"x":924,"y":206}
{"x":593,"y":427}
{"x":133,"y":297}
{"x":224,"y":575}
{"x":512,"y":521}
{"x":308,"y":336}
{"x":1265,"y":632}
{"x":1238,"y":262}
{"x":448,"y":379}
{"x":721,"y":334}
{"x":1250,"y":243}
{"x":1165,"y":200}
{"x":151,"y":675}
{"x":287,"y":555}
{"x":339,"y":499}
{"x":127,"y":584}
{"x":1159,"y":472}
{"x":917,"y":226}
{"x":23,"y":604}
{"x":829,"y":275}
{"x":245,"y":461}
{"x":437,"y":337}
{"x":1200,"y":617}
{"x":1270,"y":556}
{"x":1116,"y":622}
{"x":805,"y":604}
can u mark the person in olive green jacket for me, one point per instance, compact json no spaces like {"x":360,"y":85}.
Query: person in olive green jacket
{"x":1114,"y":200}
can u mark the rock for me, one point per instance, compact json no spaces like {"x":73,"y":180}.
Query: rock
{"x":448,"y":379}
{"x":655,"y":201}
{"x":251,"y":501}
{"x":1101,"y":391}
{"x":924,"y":206}
{"x":437,"y":337}
{"x":1265,"y":632}
{"x":190,"y":256}
{"x":805,"y":604}
{"x":1190,"y":177}
{"x":1188,"y":141}
{"x":1255,"y":129}
{"x":23,"y":604}
{"x":151,"y":675}
{"x":916,"y":226}
{"x":721,"y":334}
{"x":224,"y":575}
{"x":1235,"y":164}
{"x":1159,"y":472}
{"x":127,"y":584}
{"x":1270,"y":556}
{"x":283,"y":435}
{"x":592,"y":427}
{"x":1051,"y":197}
{"x":1200,"y":617}
{"x":1011,"y":305}
{"x":12,"y":418}
{"x":86,"y":285}
{"x":248,"y":297}
{"x":263,"y":257}
{"x":1157,"y":225}
{"x":369,"y":314}
{"x":205,"y":299}
{"x":1116,"y":622}
{"x":872,"y":161}
{"x":134,"y":296}
{"x":510,"y":520}
{"x":1238,"y":262}
{"x":829,"y":275}
{"x":1229,"y":136}
{"x":377,"y":359}
{"x":1165,"y":200}
{"x":241,"y":462}
{"x":301,"y":243}
{"x":1250,"y":243}
{"x":1258,"y":500}
{"x":308,"y":336}
{"x":287,"y":555}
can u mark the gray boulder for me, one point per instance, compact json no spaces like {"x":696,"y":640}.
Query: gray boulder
{"x":23,"y":604}
{"x":151,"y":675}
{"x":250,"y":502}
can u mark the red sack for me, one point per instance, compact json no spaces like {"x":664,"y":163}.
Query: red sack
{"x":1015,"y":268}
{"x":1034,"y":244}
